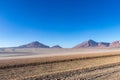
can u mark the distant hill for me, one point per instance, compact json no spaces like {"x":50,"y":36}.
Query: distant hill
{"x":92,"y":43}
{"x":86,"y":44}
{"x":34,"y":44}
{"x":115,"y":44}
{"x":56,"y":46}
{"x":89,"y":43}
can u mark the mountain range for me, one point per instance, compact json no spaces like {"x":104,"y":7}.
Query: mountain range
{"x":37,"y":44}
{"x":86,"y":44}
{"x":93,"y":44}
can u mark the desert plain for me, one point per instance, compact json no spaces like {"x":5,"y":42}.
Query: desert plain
{"x":60,"y":64}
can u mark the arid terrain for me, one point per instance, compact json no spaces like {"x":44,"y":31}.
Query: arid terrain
{"x":59,"y":39}
{"x":60,"y":64}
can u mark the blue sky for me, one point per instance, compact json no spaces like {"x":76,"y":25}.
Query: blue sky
{"x":63,"y":22}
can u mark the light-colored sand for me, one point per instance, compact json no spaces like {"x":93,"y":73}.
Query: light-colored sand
{"x":37,"y":55}
{"x":56,"y":60}
{"x":39,"y":52}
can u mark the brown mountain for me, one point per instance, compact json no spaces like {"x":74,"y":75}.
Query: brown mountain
{"x":34,"y":44}
{"x":56,"y":46}
{"x":115,"y":44}
{"x":89,"y":43}
{"x":92,"y":43}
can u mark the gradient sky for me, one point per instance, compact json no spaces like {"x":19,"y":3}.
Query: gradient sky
{"x":63,"y":22}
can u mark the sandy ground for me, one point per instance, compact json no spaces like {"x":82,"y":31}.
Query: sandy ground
{"x":39,"y":52}
{"x":10,"y":57}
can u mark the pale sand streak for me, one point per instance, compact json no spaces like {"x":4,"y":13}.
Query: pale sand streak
{"x":35,"y":53}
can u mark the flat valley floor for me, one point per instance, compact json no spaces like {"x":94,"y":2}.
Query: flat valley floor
{"x":60,"y":64}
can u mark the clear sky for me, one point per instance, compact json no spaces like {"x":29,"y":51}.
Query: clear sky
{"x":63,"y":22}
